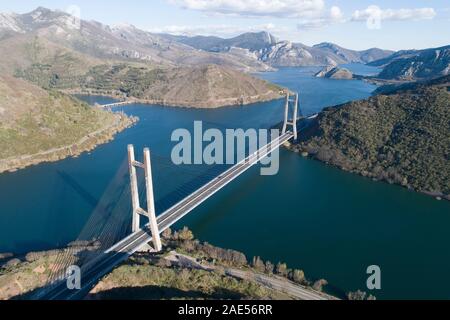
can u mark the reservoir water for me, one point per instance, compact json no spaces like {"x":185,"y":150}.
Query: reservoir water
{"x":329,"y":223}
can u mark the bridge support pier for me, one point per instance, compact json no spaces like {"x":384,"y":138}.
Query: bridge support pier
{"x":136,"y":207}
{"x":135,"y":226}
{"x":151,"y":201}
{"x":292,"y":122}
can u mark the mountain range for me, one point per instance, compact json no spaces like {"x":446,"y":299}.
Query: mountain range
{"x":268,"y":49}
{"x":44,"y":35}
{"x":50,"y":49}
{"x":248,"y":52}
{"x":95,"y":40}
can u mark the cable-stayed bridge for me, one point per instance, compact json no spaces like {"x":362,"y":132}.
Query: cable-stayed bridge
{"x":97,"y":258}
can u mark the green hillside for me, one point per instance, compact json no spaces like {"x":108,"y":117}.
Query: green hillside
{"x":402,"y":138}
{"x":35,"y":121}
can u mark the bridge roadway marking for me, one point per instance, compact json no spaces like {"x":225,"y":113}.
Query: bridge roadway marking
{"x":132,"y":243}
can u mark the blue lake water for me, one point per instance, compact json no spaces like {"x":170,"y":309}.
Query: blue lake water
{"x":318,"y":93}
{"x":329,"y":223}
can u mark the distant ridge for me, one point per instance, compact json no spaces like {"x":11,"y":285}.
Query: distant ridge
{"x":250,"y":52}
{"x":268,"y":49}
{"x":415,"y":64}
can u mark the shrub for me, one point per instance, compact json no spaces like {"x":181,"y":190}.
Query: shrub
{"x":359,"y":295}
{"x":281,"y":269}
{"x":258,"y":264}
{"x":297,"y":276}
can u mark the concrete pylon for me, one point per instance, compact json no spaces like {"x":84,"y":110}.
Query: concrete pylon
{"x":137,"y":209}
{"x":151,"y":201}
{"x":286,"y":113}
{"x":292,"y":122}
{"x":134,"y":190}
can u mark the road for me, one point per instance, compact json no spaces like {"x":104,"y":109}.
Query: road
{"x":273,"y":282}
{"x":94,"y":270}
{"x":277,"y":284}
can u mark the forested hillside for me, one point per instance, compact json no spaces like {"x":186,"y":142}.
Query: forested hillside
{"x":402,"y":138}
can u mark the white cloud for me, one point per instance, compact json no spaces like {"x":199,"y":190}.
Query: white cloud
{"x":375,"y":12}
{"x":334,"y":16}
{"x":256,"y":8}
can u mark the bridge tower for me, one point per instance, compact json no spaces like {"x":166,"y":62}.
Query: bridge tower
{"x":136,"y":207}
{"x":292,"y":122}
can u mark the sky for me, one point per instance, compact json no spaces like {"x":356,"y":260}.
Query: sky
{"x":362,"y":24}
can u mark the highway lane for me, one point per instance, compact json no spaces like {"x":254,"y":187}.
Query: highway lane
{"x":104,"y":263}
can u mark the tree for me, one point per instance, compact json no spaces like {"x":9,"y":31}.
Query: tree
{"x":258,"y":264}
{"x":167,"y":234}
{"x":359,"y":295}
{"x":237,"y":258}
{"x":298,"y":276}
{"x":319,"y":284}
{"x":281,"y":269}
{"x":185,"y":234}
{"x":269,"y":267}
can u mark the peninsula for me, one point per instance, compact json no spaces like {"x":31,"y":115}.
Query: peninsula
{"x":37,"y":125}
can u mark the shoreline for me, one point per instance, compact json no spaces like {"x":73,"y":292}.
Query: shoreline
{"x":24,"y":274}
{"x":209,"y":104}
{"x":85,"y":144}
{"x":296,"y":148}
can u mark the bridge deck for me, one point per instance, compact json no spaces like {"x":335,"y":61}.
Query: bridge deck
{"x":117,"y":104}
{"x":100,"y":266}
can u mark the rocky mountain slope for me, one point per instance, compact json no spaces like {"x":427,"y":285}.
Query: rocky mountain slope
{"x":248,"y":52}
{"x":104,"y":42}
{"x":353,"y":56}
{"x":402,"y":138}
{"x":266,"y":48}
{"x":413,"y":65}
{"x":259,"y":42}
